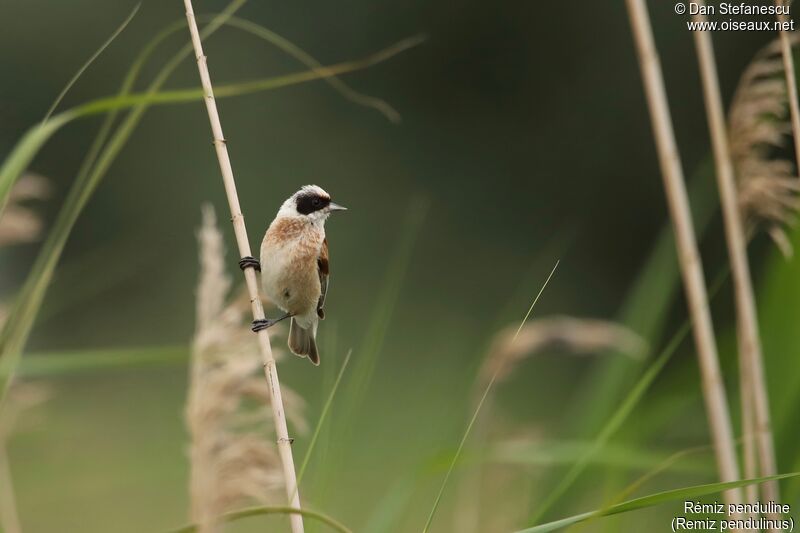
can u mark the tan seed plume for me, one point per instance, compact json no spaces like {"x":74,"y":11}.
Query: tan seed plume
{"x":563,"y":333}
{"x":759,"y":126}
{"x":18,"y":222}
{"x":233,"y":460}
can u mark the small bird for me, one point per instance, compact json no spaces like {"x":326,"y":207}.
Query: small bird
{"x":294,"y":266}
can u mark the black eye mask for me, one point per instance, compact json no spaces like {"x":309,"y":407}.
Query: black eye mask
{"x":308,"y":203}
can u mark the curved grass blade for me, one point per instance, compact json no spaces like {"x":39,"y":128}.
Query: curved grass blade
{"x":86,"y":65}
{"x":18,"y":327}
{"x":623,"y":411}
{"x":51,"y":364}
{"x":567,"y":452}
{"x":389,"y":509}
{"x":35,"y":138}
{"x":323,"y":417}
{"x":26,"y":149}
{"x":478,"y":410}
{"x":263,"y":511}
{"x":386,"y":302}
{"x":614,"y":423}
{"x":182,"y":96}
{"x":374,"y":338}
{"x":652,"y":500}
{"x":301,"y":55}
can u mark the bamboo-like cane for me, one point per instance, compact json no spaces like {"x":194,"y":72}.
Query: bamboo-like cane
{"x":688,"y":253}
{"x":791,"y":81}
{"x":270,"y":370}
{"x":755,"y":402}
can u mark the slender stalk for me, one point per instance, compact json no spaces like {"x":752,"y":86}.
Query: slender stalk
{"x":688,"y":253}
{"x":89,"y":62}
{"x":750,"y":459}
{"x":9,"y":519}
{"x":270,"y":370}
{"x":489,"y":385}
{"x":791,"y":81}
{"x":755,"y":401}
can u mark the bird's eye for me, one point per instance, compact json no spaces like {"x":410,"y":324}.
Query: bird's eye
{"x":315,"y":202}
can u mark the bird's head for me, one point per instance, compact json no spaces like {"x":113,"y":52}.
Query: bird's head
{"x":311,"y":202}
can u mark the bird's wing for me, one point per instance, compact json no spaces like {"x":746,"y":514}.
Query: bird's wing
{"x":323,"y":268}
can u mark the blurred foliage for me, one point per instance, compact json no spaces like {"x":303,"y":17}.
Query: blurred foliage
{"x":522,"y":141}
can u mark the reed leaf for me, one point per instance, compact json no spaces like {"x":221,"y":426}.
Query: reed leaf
{"x":264,"y":511}
{"x":685,"y":493}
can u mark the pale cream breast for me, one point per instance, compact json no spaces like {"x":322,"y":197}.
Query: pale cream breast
{"x":289,"y":273}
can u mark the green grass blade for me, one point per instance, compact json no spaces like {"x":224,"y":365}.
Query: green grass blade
{"x":623,"y":411}
{"x":17,"y":328}
{"x":323,"y":416}
{"x":91,"y":60}
{"x":478,"y":410}
{"x":386,"y":302}
{"x":645,"y":309}
{"x":390,"y":508}
{"x":263,"y":511}
{"x":374,"y":337}
{"x":614,"y":423}
{"x":35,"y":138}
{"x":309,"y":61}
{"x":24,"y":152}
{"x":568,"y":452}
{"x":53,"y":364}
{"x":685,"y":493}
{"x":182,"y":96}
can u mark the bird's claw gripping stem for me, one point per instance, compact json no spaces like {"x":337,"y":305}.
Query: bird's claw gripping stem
{"x":265,"y":323}
{"x":249,"y":261}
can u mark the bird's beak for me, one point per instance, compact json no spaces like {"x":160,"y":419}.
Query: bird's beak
{"x":336,"y":207}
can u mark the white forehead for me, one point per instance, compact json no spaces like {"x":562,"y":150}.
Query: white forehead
{"x":312,"y":189}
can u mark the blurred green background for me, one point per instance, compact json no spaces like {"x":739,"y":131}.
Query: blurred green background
{"x":524,"y":139}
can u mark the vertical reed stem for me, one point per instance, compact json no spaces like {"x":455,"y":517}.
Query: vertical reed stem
{"x":791,"y":81}
{"x":755,"y":401}
{"x":270,"y":370}
{"x":688,"y":253}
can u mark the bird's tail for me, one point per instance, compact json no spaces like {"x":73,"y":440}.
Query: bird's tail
{"x":303,"y":342}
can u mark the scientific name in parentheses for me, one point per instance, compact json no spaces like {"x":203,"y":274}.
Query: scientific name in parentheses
{"x":726,"y":8}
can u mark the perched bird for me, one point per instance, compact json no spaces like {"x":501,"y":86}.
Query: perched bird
{"x":294,"y":266}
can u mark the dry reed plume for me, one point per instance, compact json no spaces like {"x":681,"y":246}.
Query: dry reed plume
{"x":510,"y":347}
{"x":790,"y":76}
{"x":233,"y":460}
{"x":562,"y":333}
{"x":758,"y":126}
{"x":18,"y":223}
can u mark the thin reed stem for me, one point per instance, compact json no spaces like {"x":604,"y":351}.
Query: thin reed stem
{"x":688,"y":254}
{"x":791,"y":81}
{"x":755,"y":402}
{"x":284,"y":442}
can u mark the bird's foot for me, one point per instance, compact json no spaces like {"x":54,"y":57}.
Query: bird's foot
{"x":265,"y":323}
{"x":249,"y":261}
